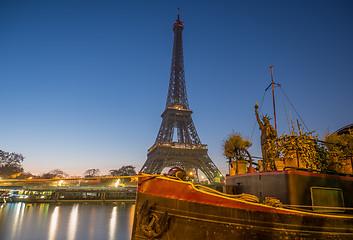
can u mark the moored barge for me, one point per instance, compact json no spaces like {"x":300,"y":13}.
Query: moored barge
{"x":167,"y":208}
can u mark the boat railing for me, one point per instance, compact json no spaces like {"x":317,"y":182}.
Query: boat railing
{"x":317,"y":171}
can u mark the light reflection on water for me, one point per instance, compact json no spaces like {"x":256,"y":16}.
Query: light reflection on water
{"x":18,"y":218}
{"x":53,"y":224}
{"x":20,"y":221}
{"x":71,"y":231}
{"x":112,"y":225}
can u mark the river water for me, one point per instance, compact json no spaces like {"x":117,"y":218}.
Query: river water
{"x":76,"y":221}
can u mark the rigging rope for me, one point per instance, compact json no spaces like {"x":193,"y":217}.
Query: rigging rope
{"x":243,"y":196}
{"x":294,"y":109}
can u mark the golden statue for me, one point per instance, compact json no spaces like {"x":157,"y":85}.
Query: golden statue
{"x":268,"y":144}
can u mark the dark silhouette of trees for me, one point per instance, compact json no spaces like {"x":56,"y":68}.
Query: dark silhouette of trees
{"x":56,"y":173}
{"x":27,"y":175}
{"x":94,"y":172}
{"x":10,"y":164}
{"x":123,"y":171}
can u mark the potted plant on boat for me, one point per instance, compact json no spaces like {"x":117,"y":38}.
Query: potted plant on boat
{"x":300,"y":149}
{"x":340,"y":148}
{"x":235,"y":149}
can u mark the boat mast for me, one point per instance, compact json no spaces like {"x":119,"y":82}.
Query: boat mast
{"x":273,"y":97}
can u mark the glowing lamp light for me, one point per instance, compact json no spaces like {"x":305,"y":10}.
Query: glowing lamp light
{"x":117,"y":183}
{"x":60,"y":182}
{"x":191,"y":173}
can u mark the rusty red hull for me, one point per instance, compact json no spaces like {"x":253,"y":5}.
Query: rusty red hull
{"x":170,"y":209}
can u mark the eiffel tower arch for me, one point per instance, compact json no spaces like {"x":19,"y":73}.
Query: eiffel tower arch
{"x":184,"y":150}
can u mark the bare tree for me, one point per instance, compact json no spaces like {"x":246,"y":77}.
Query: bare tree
{"x":94,"y":172}
{"x":56,"y":173}
{"x":123,"y":171}
{"x":10,"y":164}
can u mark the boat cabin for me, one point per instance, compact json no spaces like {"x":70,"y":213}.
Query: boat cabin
{"x":298,"y":188}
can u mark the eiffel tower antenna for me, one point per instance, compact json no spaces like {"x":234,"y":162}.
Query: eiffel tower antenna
{"x":186,"y":149}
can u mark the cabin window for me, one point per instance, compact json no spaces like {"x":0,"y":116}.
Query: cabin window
{"x":327,"y":199}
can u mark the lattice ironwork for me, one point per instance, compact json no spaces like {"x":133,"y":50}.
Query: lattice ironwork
{"x":179,"y":119}
{"x":188,"y":152}
{"x":177,"y":89}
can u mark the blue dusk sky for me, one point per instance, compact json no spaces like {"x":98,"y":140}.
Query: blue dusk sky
{"x":83,"y":83}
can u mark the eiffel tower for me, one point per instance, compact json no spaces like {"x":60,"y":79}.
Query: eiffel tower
{"x":187,"y":152}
